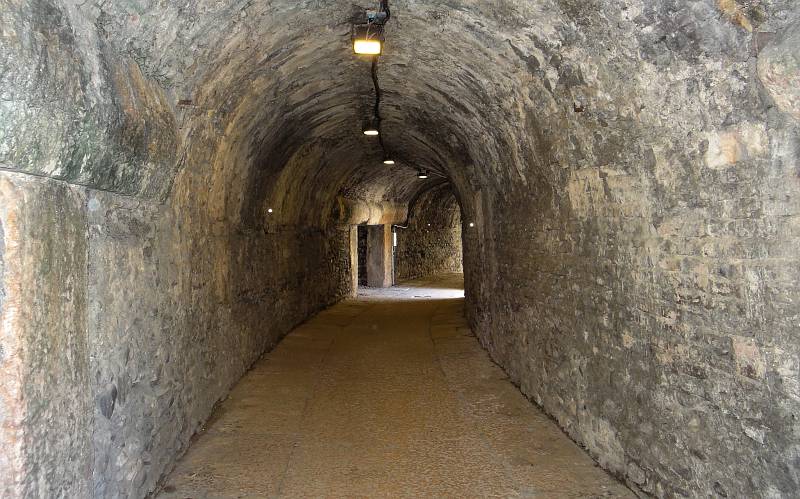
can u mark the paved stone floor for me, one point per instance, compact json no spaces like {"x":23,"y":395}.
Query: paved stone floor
{"x":389,"y":395}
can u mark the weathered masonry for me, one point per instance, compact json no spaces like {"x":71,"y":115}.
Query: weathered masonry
{"x":183,"y":182}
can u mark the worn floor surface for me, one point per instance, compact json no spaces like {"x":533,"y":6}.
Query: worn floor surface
{"x":389,"y":395}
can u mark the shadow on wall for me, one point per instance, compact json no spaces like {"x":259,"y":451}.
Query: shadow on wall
{"x":432,"y":242}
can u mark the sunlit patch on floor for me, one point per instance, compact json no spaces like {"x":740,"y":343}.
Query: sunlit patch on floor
{"x":443,"y":287}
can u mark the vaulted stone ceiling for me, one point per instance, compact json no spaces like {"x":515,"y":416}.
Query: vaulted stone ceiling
{"x":245,"y":93}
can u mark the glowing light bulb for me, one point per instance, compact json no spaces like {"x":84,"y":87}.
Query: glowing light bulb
{"x":371,"y":126}
{"x":367,"y":47}
{"x":368,"y":39}
{"x":269,"y":210}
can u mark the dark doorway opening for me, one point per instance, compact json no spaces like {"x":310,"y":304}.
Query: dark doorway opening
{"x":362,"y":255}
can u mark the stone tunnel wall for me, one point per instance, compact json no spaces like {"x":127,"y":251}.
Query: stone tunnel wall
{"x":643,"y":288}
{"x":178,"y":310}
{"x":432,"y":242}
{"x":45,"y":402}
{"x":132,"y":319}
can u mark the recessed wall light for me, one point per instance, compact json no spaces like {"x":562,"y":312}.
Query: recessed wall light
{"x":269,"y":210}
{"x":472,"y":224}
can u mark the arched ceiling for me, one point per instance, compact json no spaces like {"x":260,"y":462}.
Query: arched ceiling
{"x":293,"y":93}
{"x":265,"y":96}
{"x":256,"y":104}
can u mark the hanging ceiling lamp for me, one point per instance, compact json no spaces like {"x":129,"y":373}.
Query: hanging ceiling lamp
{"x":371,"y":128}
{"x":368,"y":36}
{"x":368,"y":39}
{"x":422,"y":174}
{"x":388,"y":161}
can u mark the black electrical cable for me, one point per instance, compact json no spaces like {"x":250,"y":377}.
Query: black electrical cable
{"x":385,"y":8}
{"x":377,"y":110}
{"x":377,"y":89}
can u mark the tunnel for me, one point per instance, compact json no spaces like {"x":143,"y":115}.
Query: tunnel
{"x":188,"y":199}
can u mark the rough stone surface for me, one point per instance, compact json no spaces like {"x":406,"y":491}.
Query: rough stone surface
{"x":45,"y":405}
{"x":631,"y":168}
{"x":642,"y":285}
{"x":126,"y":321}
{"x":388,"y":395}
{"x":431,"y":244}
{"x":779,"y":68}
{"x":188,"y":307}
